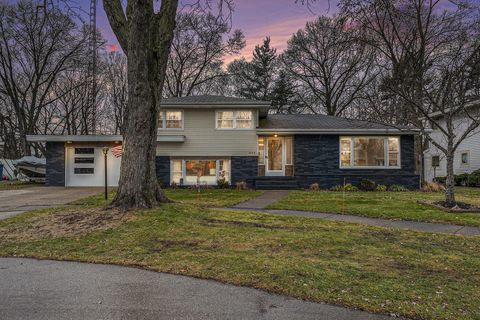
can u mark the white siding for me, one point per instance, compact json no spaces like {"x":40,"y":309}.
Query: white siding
{"x":470,"y":145}
{"x":202,"y":139}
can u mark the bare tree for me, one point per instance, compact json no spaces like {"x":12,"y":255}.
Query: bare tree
{"x":330,"y":64}
{"x":201,"y":42}
{"x":36,"y":46}
{"x":145,"y":35}
{"x":116,"y":89}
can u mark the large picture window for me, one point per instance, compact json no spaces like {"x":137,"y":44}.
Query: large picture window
{"x":170,"y":119}
{"x":192,"y":171}
{"x":234,"y":120}
{"x":369,"y":152}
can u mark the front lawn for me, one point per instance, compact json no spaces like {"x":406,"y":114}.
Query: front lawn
{"x":419,"y":275}
{"x":219,"y":198}
{"x":388,"y":205}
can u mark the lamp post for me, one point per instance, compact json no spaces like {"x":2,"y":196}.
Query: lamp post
{"x":105,"y":153}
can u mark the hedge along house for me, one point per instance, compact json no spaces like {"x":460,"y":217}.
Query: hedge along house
{"x":202,"y":139}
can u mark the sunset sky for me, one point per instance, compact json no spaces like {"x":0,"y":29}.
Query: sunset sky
{"x":278,"y":19}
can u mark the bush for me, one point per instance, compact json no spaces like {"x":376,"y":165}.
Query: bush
{"x":314,"y":187}
{"x":336,"y":188}
{"x":381,"y":188}
{"x":433,"y":187}
{"x":222,"y":183}
{"x":174,"y":185}
{"x":397,"y":188}
{"x":473,"y":180}
{"x":442,"y":180}
{"x":241,"y":185}
{"x":367,"y":185}
{"x":461,"y":179}
{"x":350,"y":187}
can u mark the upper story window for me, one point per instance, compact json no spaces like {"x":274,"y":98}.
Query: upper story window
{"x":234,"y":120}
{"x":370,"y":152}
{"x":170,"y":119}
{"x":464,"y":158}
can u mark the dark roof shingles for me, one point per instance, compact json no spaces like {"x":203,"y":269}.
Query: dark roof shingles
{"x":211,"y":100}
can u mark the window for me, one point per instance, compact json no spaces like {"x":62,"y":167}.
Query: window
{"x":84,"y":160}
{"x":191,"y":171}
{"x":234,"y":119}
{"x":366,"y":152}
{"x":288,"y":150}
{"x":84,"y":151}
{"x":261,"y":150}
{"x":435,"y":161}
{"x":464,"y":158}
{"x":83,"y":171}
{"x":170,"y":119}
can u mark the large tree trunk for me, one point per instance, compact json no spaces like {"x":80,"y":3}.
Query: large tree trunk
{"x":138,"y":186}
{"x":450,"y":181}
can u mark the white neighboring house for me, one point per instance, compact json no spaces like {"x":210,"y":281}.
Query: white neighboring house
{"x":467,"y":156}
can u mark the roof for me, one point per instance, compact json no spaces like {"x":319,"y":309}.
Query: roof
{"x":324,"y":123}
{"x":209,"y":100}
{"x":95,"y":138}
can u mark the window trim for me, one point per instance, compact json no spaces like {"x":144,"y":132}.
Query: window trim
{"x":234,"y":119}
{"x":431,"y":160}
{"x":467,"y":152}
{"x":217,"y":165}
{"x":352,"y":153}
{"x":164,"y":120}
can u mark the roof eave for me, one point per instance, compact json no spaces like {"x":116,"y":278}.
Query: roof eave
{"x":338,"y":131}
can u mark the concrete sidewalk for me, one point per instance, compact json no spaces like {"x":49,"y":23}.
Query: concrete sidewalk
{"x":262,"y":201}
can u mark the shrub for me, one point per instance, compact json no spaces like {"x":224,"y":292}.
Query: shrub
{"x":241,"y":185}
{"x":381,"y":188}
{"x":314,"y":187}
{"x":442,"y":180}
{"x":174,"y":185}
{"x":222,"y":183}
{"x":397,"y":188}
{"x":433,"y":187}
{"x":336,"y":188}
{"x":350,"y":187}
{"x":461,"y":179}
{"x":473,"y":180}
{"x":367,"y":185}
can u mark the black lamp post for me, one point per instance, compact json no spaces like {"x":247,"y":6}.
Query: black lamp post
{"x":105,"y":153}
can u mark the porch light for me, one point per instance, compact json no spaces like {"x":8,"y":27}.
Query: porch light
{"x":69,"y":142}
{"x":275,"y":135}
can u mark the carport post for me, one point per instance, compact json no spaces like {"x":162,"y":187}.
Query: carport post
{"x":105,"y":153}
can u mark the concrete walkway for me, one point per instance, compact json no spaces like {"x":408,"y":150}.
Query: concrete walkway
{"x":393,"y":224}
{"x":33,"y":289}
{"x":262,"y":201}
{"x":14,"y":202}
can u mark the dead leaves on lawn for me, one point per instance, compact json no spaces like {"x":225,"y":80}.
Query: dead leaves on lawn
{"x":62,"y":223}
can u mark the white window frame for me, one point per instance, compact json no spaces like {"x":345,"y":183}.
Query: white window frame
{"x":468,"y":158}
{"x":217,"y":165}
{"x":164,"y":119}
{"x":352,"y":153}
{"x":234,"y":119}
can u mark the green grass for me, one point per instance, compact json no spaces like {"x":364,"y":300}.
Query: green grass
{"x":208,"y":197}
{"x":388,"y":205}
{"x":13,"y":185}
{"x":418,"y":275}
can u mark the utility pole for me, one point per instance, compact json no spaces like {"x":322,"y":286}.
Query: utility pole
{"x":92,"y":67}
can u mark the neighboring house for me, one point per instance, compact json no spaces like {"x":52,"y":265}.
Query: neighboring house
{"x":467,"y":156}
{"x":204,"y":138}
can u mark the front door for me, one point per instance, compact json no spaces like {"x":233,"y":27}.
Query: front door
{"x":275,"y":157}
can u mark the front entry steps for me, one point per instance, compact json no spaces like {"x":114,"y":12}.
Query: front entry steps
{"x":275,"y":183}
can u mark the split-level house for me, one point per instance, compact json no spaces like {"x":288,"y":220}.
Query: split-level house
{"x":202,"y":139}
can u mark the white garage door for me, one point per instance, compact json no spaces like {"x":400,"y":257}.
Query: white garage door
{"x":85,"y":167}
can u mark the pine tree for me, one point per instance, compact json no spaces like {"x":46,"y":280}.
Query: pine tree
{"x":283,"y":95}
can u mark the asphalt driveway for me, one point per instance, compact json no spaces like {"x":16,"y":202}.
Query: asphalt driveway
{"x":33,"y":289}
{"x":14,"y":202}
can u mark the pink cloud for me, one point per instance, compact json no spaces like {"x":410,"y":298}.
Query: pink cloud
{"x":112,"y":47}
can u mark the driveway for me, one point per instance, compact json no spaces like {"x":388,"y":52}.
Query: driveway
{"x":13,"y":202}
{"x":33,"y":289}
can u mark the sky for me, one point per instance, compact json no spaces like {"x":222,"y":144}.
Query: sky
{"x":278,"y":19}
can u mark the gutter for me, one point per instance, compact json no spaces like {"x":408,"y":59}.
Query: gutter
{"x":338,"y":131}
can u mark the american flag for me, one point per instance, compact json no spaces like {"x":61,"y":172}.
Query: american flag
{"x":117,"y":151}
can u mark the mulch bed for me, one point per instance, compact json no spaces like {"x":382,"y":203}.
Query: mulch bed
{"x":461,"y":207}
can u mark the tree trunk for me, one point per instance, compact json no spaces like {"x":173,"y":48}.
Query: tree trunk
{"x":450,"y":181}
{"x":138,"y":185}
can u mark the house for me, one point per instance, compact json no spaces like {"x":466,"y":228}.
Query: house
{"x":204,"y":138}
{"x":467,"y":156}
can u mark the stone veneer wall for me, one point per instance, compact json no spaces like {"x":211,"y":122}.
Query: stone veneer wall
{"x":317,"y":160}
{"x":162,"y":169}
{"x":55,"y":168}
{"x":243,"y":169}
